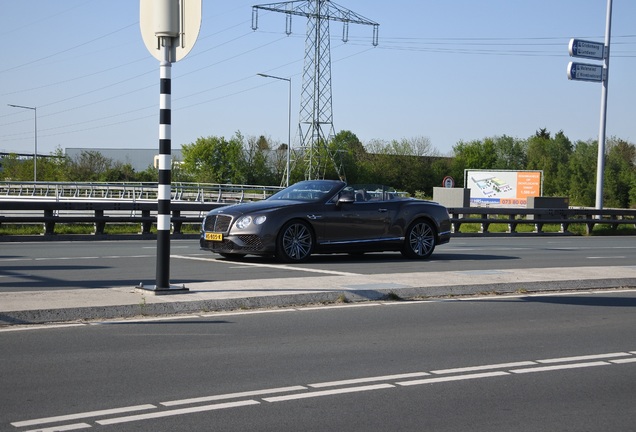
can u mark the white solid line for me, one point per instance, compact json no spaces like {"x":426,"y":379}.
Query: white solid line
{"x":370,"y":379}
{"x":145,"y":320}
{"x":626,"y":360}
{"x":344,"y":306}
{"x":560,"y":367}
{"x":75,"y":426}
{"x":83,"y":415}
{"x":239,"y":313}
{"x":176,"y":412}
{"x":233,"y":395}
{"x":276,"y":266}
{"x":40,"y":327}
{"x":328,"y":392}
{"x":585,"y":357}
{"x":452,"y":378}
{"x":484,"y":367}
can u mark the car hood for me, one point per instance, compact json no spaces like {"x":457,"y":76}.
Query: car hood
{"x":256,"y":206}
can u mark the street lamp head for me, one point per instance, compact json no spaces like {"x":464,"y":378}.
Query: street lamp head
{"x":22,"y":106}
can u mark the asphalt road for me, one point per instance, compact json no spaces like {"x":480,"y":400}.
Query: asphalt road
{"x":530,"y":363}
{"x":103,"y":264}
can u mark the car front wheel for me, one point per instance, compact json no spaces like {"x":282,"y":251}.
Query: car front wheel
{"x":295,"y":242}
{"x":419,"y":241}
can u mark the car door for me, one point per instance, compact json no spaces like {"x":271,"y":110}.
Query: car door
{"x":356,"y":222}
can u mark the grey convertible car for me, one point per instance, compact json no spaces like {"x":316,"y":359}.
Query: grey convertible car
{"x":326,"y":216}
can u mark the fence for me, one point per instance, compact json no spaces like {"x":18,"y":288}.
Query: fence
{"x":100,"y":204}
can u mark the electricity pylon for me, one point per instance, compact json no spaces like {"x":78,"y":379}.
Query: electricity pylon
{"x":315,"y":122}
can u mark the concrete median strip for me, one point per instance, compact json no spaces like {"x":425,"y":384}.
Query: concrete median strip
{"x":35,"y":307}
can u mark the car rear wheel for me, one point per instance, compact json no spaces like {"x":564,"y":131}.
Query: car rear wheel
{"x":419,"y":241}
{"x":295,"y":242}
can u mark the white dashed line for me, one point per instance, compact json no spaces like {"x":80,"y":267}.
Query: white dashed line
{"x":306,"y":391}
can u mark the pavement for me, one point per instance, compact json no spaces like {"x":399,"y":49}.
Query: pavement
{"x":37,"y":307}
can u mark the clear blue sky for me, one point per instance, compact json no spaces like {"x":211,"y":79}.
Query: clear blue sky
{"x":446,"y":70}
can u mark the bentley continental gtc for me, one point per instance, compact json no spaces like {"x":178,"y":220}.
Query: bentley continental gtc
{"x":327,"y":216}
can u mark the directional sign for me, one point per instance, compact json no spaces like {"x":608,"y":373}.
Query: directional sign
{"x":586,"y":49}
{"x":585,"y":72}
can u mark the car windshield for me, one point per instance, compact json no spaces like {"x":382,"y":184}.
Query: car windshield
{"x":309,"y":191}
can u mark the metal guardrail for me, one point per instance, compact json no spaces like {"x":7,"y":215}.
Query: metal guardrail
{"x":99,"y":213}
{"x":539,"y":217}
{"x":198,"y":192}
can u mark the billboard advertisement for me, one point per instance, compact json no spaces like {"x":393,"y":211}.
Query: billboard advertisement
{"x":503,"y":188}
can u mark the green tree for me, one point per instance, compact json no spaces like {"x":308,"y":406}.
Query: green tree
{"x":89,"y":166}
{"x":215,"y":160}
{"x":551,"y":155}
{"x":349,"y":152}
{"x":620,"y":174}
{"x":259,"y":170}
{"x":511,"y":153}
{"x":582,"y":189}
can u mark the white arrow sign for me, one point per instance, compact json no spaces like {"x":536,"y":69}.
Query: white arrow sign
{"x":585,"y":72}
{"x":586,"y":49}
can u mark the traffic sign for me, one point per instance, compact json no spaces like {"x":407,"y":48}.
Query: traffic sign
{"x":586,"y":49}
{"x":585,"y":72}
{"x":177,"y":20}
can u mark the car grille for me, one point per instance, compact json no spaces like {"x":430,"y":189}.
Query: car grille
{"x":252,"y":242}
{"x":217,"y":223}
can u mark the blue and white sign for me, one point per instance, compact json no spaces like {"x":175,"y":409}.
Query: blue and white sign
{"x":585,"y":72}
{"x":586,"y":49}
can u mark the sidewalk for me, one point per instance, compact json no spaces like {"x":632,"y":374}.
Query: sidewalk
{"x":90,"y":304}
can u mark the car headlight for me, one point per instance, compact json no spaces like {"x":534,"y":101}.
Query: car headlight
{"x":245,"y":221}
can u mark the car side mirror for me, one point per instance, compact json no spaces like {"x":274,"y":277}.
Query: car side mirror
{"x":346,"y":198}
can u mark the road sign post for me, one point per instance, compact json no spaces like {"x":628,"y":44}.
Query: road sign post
{"x":595,"y":73}
{"x":169,"y":29}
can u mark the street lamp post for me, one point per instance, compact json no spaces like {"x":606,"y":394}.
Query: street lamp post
{"x":288,"y":122}
{"x":35,"y":148}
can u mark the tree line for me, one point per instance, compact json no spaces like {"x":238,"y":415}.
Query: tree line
{"x":412,"y":165}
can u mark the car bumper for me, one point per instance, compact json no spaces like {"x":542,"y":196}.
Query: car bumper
{"x":240,"y":244}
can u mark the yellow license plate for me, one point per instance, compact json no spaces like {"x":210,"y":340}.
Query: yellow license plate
{"x":213,"y":236}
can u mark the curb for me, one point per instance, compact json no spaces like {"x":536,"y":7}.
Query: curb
{"x":167,"y":308}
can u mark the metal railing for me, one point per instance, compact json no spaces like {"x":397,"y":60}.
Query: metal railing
{"x":51,"y":213}
{"x":198,"y":192}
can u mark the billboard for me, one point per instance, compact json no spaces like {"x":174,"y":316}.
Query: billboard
{"x":503,"y":188}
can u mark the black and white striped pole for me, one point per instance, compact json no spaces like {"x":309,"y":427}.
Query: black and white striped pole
{"x":164,"y":27}
{"x":165,"y":172}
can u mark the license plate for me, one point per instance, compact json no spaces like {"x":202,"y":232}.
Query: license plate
{"x":213,"y":236}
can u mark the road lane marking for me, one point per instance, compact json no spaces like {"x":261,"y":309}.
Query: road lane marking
{"x":484,"y":367}
{"x":275,"y":266}
{"x":585,"y":357}
{"x":452,"y":378}
{"x":176,"y":412}
{"x":365,"y":380}
{"x":69,"y":427}
{"x":623,"y":361}
{"x":83,"y":415}
{"x":559,"y":367}
{"x":615,"y":358}
{"x":328,"y":392}
{"x":233,"y":395}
